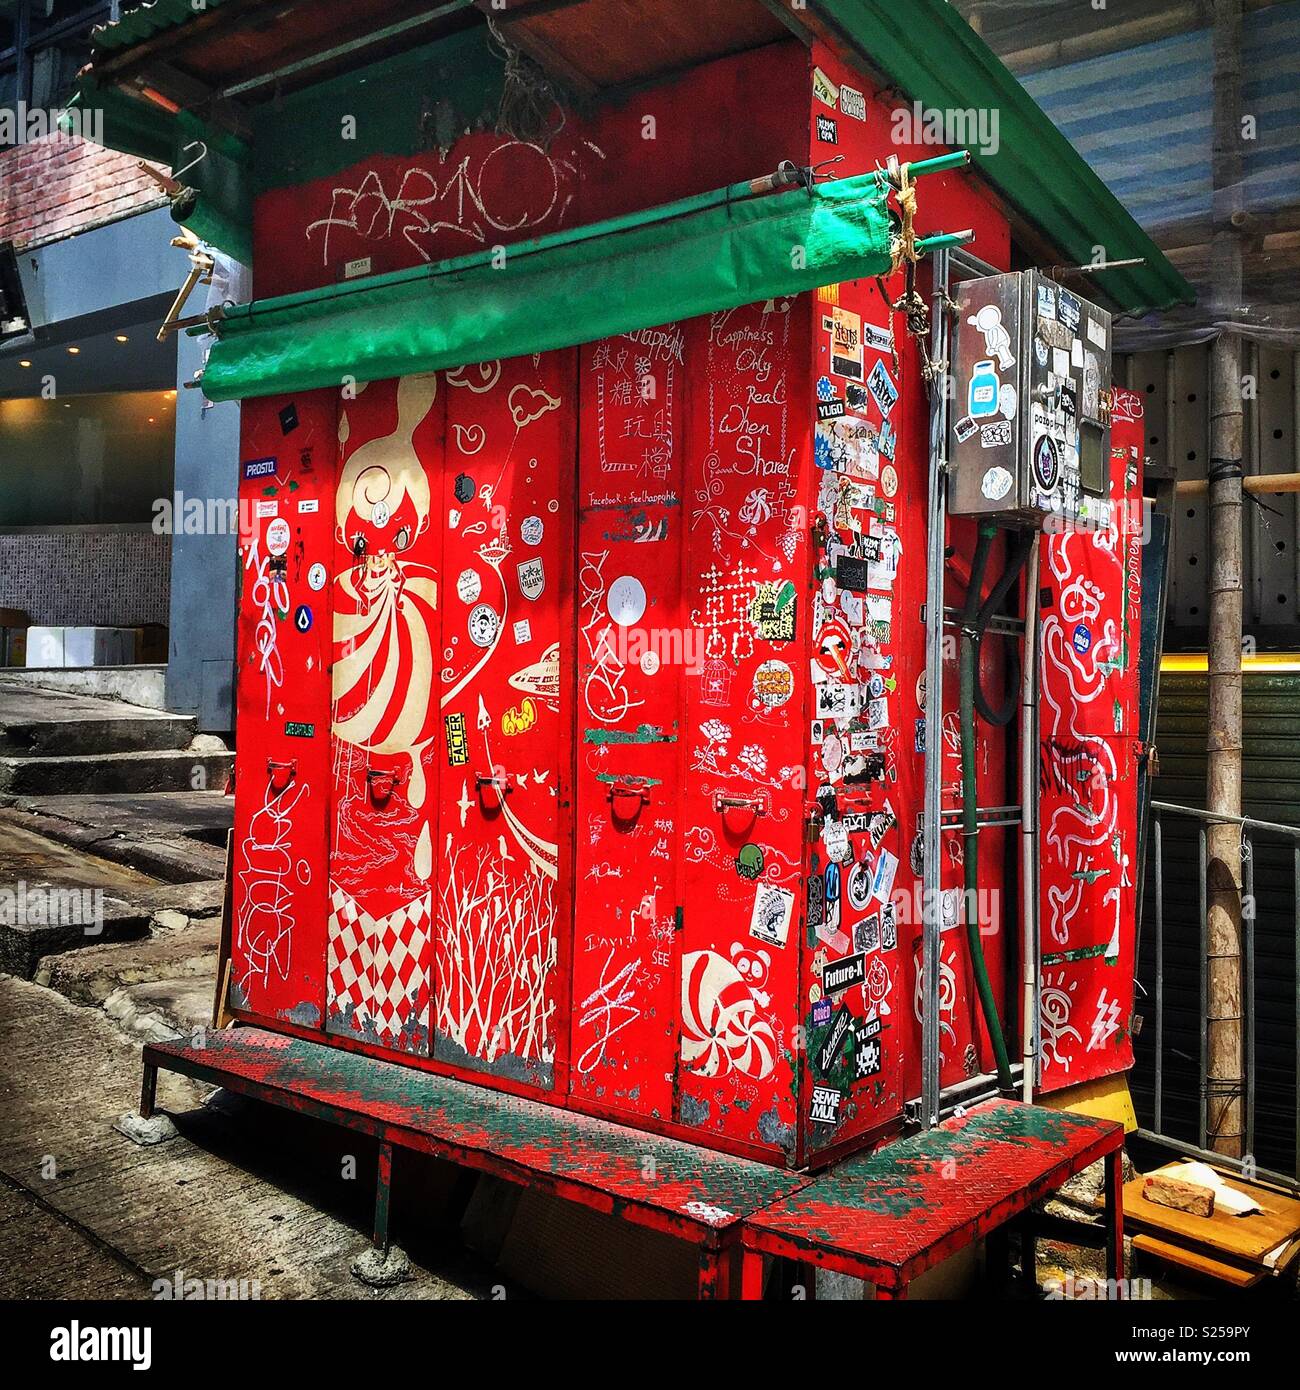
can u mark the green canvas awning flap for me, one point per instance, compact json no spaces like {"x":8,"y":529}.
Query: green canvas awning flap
{"x":717,"y":251}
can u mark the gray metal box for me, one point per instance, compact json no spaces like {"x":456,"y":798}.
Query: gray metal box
{"x":1030,"y":435}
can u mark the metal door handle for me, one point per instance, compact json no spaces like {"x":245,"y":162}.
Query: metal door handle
{"x":281,"y":774}
{"x":381,"y":784}
{"x":624,"y":792}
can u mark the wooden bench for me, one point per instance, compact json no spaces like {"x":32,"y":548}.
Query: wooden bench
{"x":685,"y":1191}
{"x":888,"y":1216}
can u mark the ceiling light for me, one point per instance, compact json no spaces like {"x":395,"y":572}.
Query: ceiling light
{"x":24,"y":363}
{"x":74,"y":350}
{"x":122,"y":338}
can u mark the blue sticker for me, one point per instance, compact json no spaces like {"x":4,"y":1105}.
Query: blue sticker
{"x":302,"y":618}
{"x":982,"y":398}
{"x":259,"y":468}
{"x":821,"y":1012}
{"x":1082,"y":639}
{"x":881,"y":385}
{"x":825,"y":389}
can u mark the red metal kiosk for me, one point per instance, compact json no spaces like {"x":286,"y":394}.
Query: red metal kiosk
{"x":641,"y":741}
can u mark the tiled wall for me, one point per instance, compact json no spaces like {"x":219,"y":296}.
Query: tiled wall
{"x":87,"y":576}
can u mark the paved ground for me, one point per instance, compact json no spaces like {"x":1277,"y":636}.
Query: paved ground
{"x":241,"y":1193}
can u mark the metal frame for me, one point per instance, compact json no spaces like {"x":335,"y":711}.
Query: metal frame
{"x":1203,"y":820}
{"x":934,"y":1100}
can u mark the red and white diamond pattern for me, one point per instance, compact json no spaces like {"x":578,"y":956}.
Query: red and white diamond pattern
{"x":379,"y":966}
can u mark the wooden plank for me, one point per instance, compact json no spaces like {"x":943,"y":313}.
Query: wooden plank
{"x":616,"y":42}
{"x":1244,"y":1238}
{"x":1197,"y":1262}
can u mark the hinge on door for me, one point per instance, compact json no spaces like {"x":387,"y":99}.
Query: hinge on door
{"x":678,"y":919}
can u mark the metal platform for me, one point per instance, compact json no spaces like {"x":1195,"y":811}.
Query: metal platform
{"x":888,"y":1216}
{"x":883,"y":1217}
{"x":693,"y":1193}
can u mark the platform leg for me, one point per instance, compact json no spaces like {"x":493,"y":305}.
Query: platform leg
{"x":890,"y":1293}
{"x":751,"y":1275}
{"x":727,"y":1271}
{"x":383,"y":1195}
{"x":710,"y":1272}
{"x":1028,"y":1250}
{"x":805,"y":1276}
{"x":1115,"y":1222}
{"x":383,"y":1264}
{"x":148,"y":1090}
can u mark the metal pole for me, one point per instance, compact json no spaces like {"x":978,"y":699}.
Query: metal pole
{"x":931,"y":915}
{"x":1248,"y":1000}
{"x":1224,"y":1063}
{"x":1029,"y":827}
{"x":1204,"y":974}
{"x":1158,"y":831}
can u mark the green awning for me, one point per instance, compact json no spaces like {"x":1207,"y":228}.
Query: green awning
{"x":716,"y":251}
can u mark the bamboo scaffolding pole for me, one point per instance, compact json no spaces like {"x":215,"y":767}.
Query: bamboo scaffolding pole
{"x":1224,"y":1080}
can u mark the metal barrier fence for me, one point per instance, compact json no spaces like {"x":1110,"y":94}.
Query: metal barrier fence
{"x":1172,"y":935}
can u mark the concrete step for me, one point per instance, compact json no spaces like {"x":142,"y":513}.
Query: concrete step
{"x":135,"y":685}
{"x":46,"y":723}
{"x":148,"y":770}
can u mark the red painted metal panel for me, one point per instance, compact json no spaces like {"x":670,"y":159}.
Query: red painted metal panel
{"x":506,"y":507}
{"x":286,"y":497}
{"x":855,"y":1011}
{"x":748,"y":447}
{"x":488,"y":189}
{"x":864,"y":133}
{"x":634,"y":648}
{"x":1090,"y":625}
{"x":387,"y":603}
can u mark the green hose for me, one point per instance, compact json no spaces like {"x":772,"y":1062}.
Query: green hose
{"x":969,"y":807}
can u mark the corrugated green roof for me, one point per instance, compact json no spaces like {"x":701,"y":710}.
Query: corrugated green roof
{"x":927,"y":50}
{"x":136,"y":26}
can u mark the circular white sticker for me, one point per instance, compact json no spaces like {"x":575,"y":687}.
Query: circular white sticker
{"x":650,"y":662}
{"x":316,"y":576}
{"x":888,"y":480}
{"x":483,"y":625}
{"x":530,"y":530}
{"x":379,"y":514}
{"x":278,"y":536}
{"x":626,"y":600}
{"x":835,"y":836}
{"x":859,"y":886}
{"x":469,"y":586}
{"x":996,"y":484}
